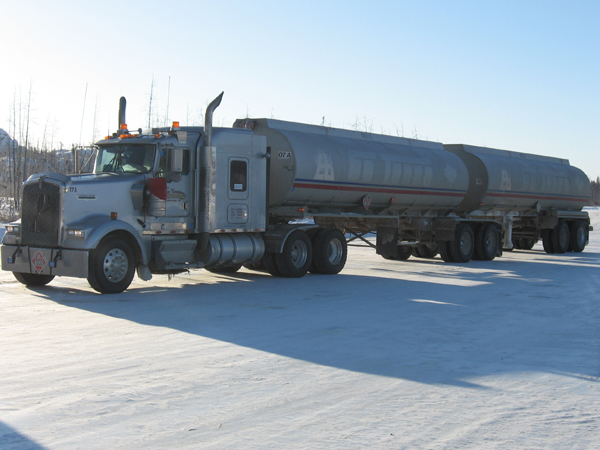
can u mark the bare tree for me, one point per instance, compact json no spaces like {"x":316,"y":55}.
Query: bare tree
{"x":150,"y":102}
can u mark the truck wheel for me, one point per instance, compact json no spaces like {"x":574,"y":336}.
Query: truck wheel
{"x":270,"y":264}
{"x":296,"y":257}
{"x":561,"y":237}
{"x":547,"y":241}
{"x":487,"y":242}
{"x":329,"y":251}
{"x":112,"y":266}
{"x":578,"y":236}
{"x":462,"y":247}
{"x":33,"y":279}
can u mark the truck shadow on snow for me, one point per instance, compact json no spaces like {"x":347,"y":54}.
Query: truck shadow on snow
{"x":12,"y":439}
{"x":428,"y":323}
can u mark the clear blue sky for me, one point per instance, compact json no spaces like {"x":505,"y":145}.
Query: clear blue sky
{"x":518,"y":75}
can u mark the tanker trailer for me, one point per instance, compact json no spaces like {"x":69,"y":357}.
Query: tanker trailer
{"x":422,"y":197}
{"x":534,"y":197}
{"x":362,"y":182}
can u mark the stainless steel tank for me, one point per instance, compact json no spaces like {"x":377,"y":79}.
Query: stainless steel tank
{"x":320,"y":166}
{"x":521,"y":181}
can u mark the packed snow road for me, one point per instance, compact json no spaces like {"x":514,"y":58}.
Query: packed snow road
{"x":416,"y":354}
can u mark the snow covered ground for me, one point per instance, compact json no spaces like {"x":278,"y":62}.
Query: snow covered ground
{"x":417,"y":354}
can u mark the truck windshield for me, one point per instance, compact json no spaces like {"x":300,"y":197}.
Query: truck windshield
{"x":134,"y":158}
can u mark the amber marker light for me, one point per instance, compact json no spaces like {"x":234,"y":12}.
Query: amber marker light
{"x":123,"y":126}
{"x":113,"y":215}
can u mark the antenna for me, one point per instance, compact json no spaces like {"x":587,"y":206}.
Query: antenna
{"x":82,"y":114}
{"x":168,"y":98}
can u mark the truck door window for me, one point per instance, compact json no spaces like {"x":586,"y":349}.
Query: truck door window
{"x":238,"y":175}
{"x":164,"y":165}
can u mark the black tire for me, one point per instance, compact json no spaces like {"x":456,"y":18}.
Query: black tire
{"x":561,"y":237}
{"x":425,"y":251}
{"x":33,"y":279}
{"x":112,"y":266}
{"x":463,"y":246}
{"x":487,"y":242}
{"x":329,"y":251}
{"x":233,"y":268}
{"x":270,"y":264}
{"x":526,"y":243}
{"x":403,"y":252}
{"x":578,"y":236}
{"x":415,"y":251}
{"x":296,"y":257}
{"x":516,"y":244}
{"x":547,"y":241}
{"x":443,"y":247}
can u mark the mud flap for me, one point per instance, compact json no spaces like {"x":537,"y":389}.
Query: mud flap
{"x":387,"y":242}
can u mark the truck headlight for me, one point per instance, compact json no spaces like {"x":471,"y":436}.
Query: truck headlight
{"x":76,"y":233}
{"x":14,"y":229}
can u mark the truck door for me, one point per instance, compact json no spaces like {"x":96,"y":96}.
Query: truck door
{"x":174,"y":166}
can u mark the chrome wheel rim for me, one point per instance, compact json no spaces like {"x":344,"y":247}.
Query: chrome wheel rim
{"x":299,"y":254}
{"x":466,"y":243}
{"x":335,"y":251}
{"x":115,"y":265}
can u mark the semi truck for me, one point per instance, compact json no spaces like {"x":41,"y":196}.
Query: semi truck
{"x":286,"y":198}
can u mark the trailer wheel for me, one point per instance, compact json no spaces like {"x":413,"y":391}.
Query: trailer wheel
{"x":578,"y":236}
{"x":443,"y":247}
{"x":329,"y":251}
{"x":403,"y":252}
{"x":33,"y":279}
{"x":487,"y":242}
{"x":561,"y":237}
{"x":526,"y":243}
{"x":462,"y":247}
{"x":112,"y":266}
{"x":425,"y":251}
{"x":296,"y":257}
{"x":547,"y":241}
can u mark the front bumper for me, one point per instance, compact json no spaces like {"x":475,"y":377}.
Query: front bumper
{"x":45,"y":261}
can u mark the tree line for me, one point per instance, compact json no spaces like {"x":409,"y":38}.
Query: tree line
{"x":595,"y":195}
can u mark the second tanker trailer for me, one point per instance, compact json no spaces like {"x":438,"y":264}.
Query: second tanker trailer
{"x":170,"y":199}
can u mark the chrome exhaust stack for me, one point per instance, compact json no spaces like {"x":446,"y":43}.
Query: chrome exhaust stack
{"x":122,"y":120}
{"x":208,"y":117}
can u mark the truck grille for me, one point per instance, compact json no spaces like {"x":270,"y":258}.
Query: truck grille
{"x":40,"y":217}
